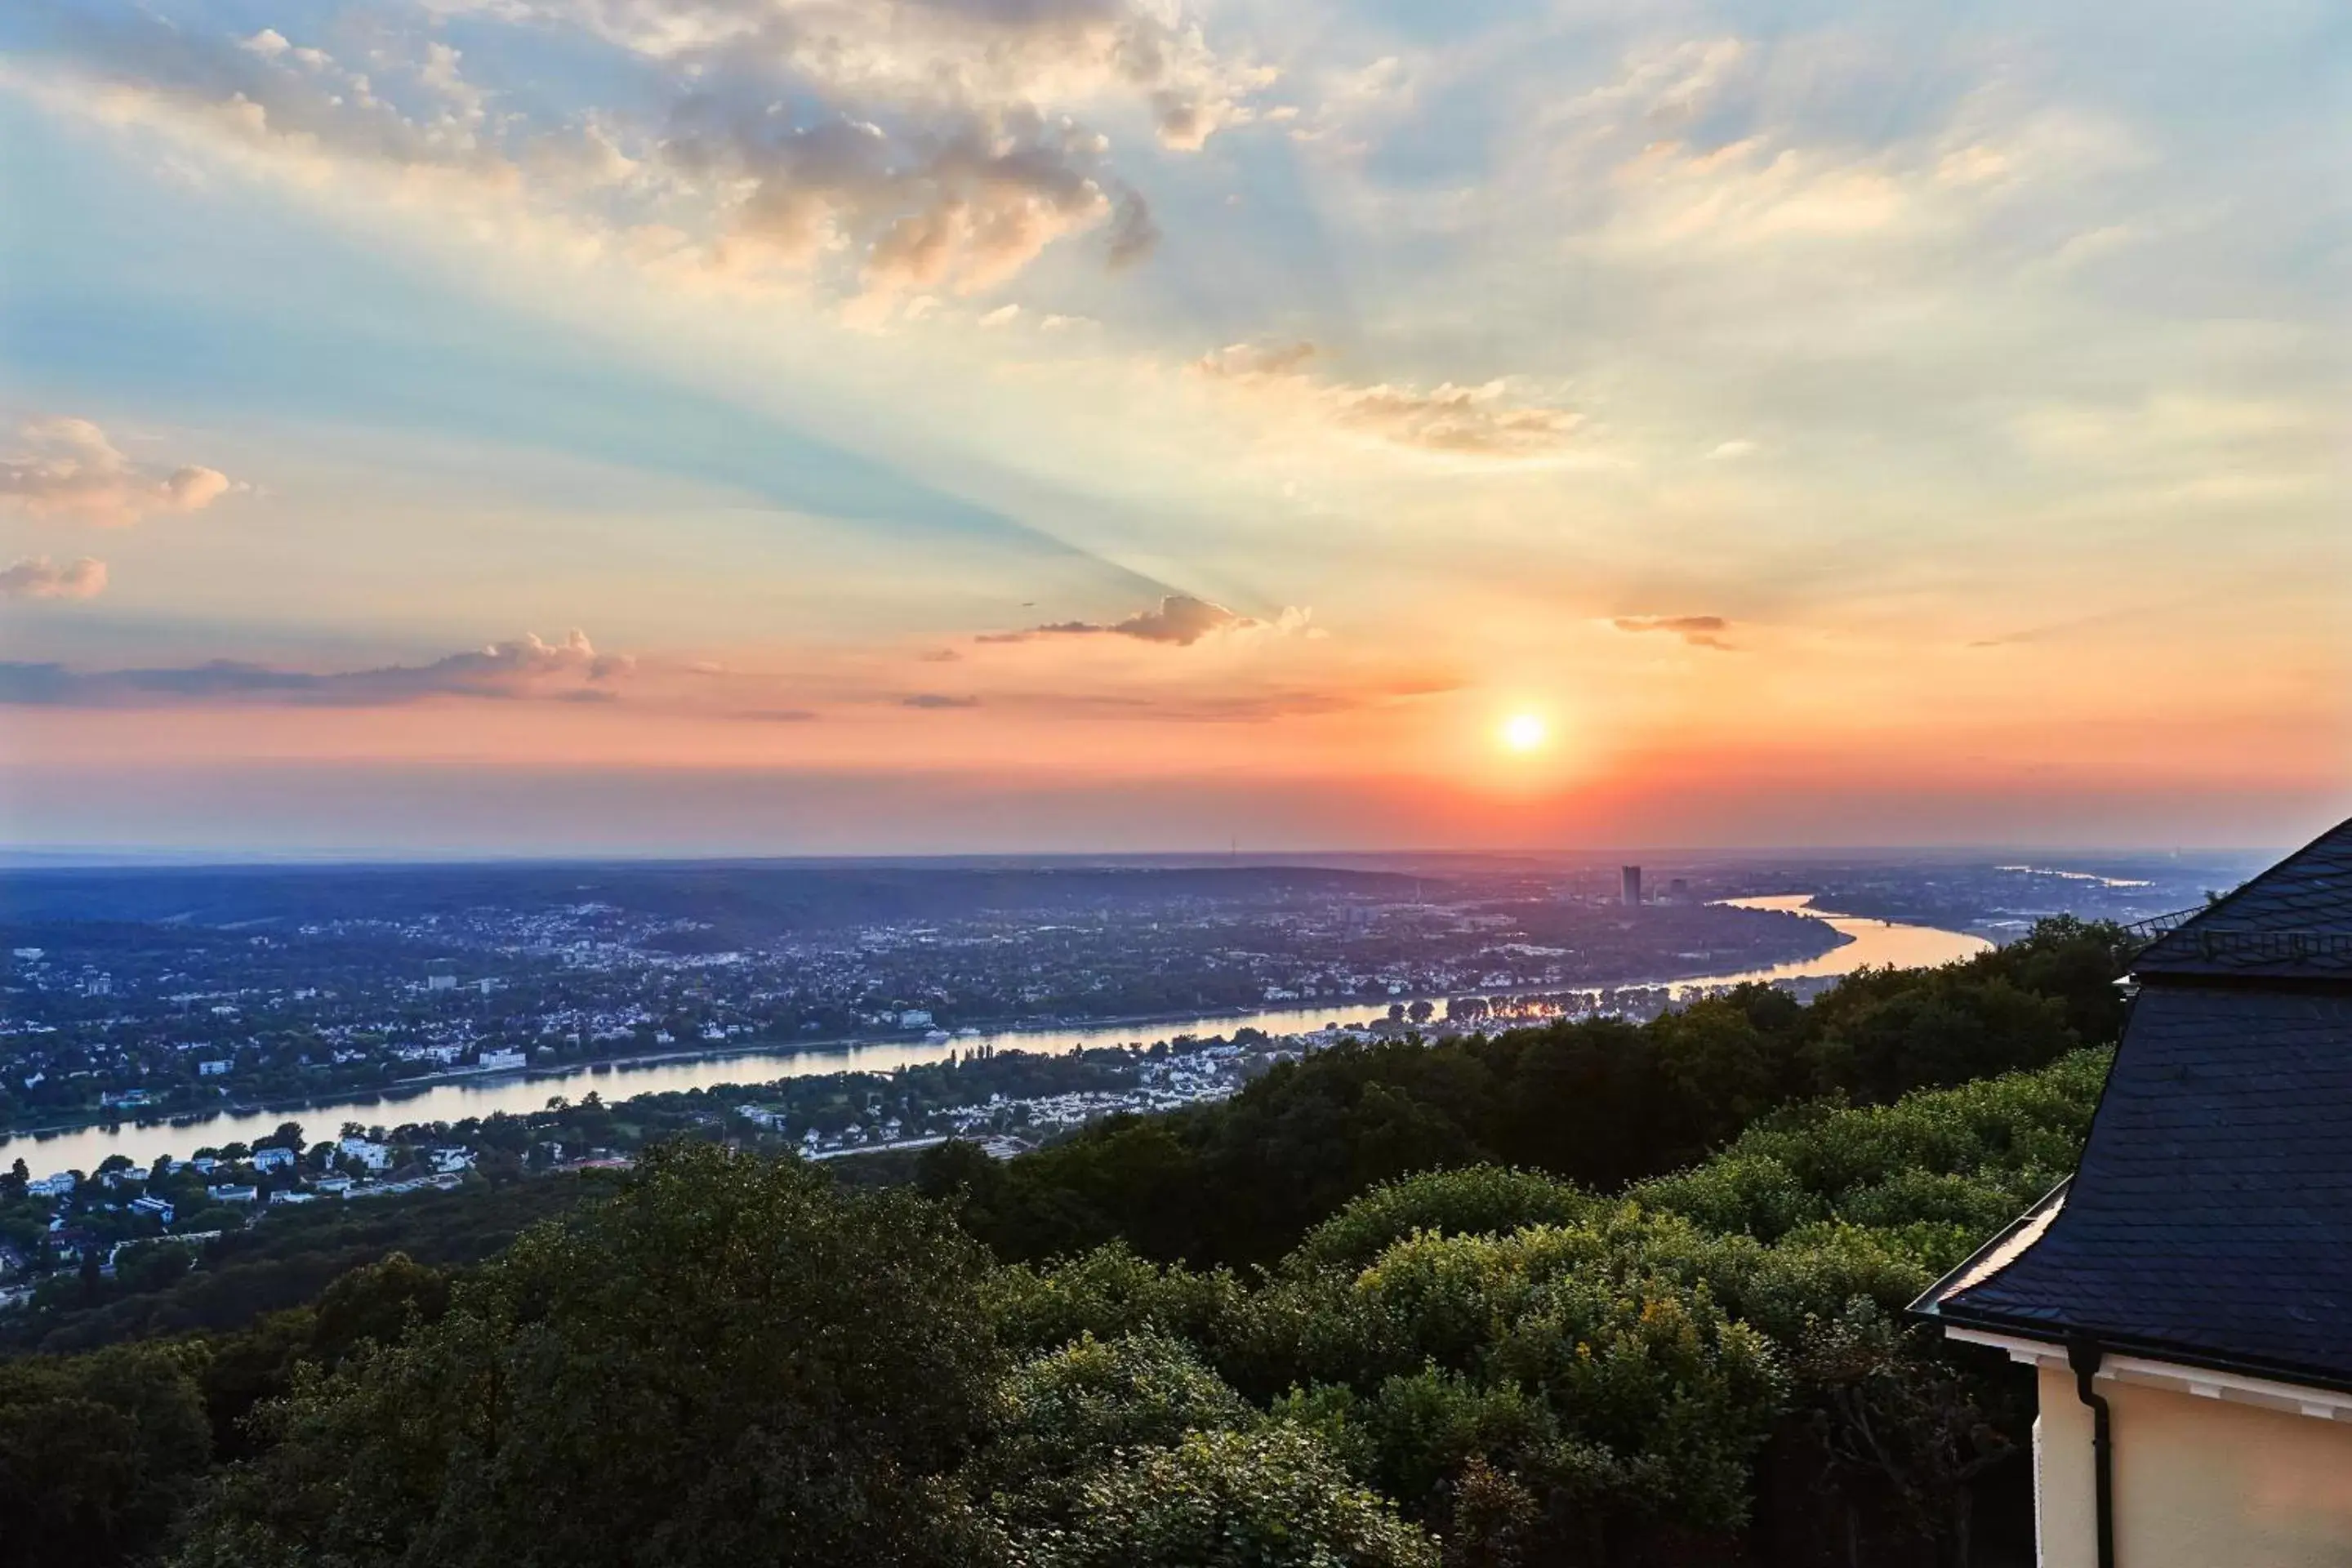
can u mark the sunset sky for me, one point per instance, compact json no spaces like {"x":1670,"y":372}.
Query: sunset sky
{"x":843,"y":426}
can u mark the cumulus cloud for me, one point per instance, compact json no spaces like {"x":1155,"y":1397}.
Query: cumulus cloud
{"x":571,"y":670}
{"x":1482,"y":421}
{"x":872,"y":150}
{"x":67,"y":469}
{"x":1179,"y":619}
{"x":39,"y":577}
{"x":990,"y":52}
{"x":1699,"y":631}
{"x":960,"y":205}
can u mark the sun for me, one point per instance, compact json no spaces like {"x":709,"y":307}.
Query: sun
{"x":1525,"y":732}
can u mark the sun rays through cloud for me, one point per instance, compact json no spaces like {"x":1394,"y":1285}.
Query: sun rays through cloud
{"x":1653,"y":406}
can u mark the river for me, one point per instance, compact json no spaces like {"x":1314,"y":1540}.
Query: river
{"x":1873,"y":943}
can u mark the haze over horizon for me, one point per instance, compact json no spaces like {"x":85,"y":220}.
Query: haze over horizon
{"x":563,"y":428}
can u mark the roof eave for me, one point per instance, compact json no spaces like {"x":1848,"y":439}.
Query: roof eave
{"x":2046,"y":1332}
{"x":1929,"y":1302}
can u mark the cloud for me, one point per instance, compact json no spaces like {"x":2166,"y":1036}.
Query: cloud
{"x":2051,"y":630}
{"x":873,"y":150}
{"x":1483,"y":421}
{"x":1699,"y":631}
{"x":935,"y":699}
{"x":67,"y":468}
{"x":1245,"y":706}
{"x":1134,"y":233}
{"x":1179,"y":619}
{"x":958,"y":203}
{"x":569,"y":671}
{"x":39,"y":577}
{"x":966,"y":52}
{"x":1731,"y":451}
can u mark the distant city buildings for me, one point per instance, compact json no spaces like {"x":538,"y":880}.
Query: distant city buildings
{"x":346,"y":1004}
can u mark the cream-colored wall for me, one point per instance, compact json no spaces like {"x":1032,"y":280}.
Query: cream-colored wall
{"x":2199,"y":1483}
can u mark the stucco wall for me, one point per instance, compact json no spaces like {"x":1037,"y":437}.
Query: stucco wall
{"x":2199,"y":1483}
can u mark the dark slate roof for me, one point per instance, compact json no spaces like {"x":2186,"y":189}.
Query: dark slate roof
{"x":2210,"y":1218}
{"x":2294,"y":920}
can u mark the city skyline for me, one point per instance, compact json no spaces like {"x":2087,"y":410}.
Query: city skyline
{"x":683,"y":428}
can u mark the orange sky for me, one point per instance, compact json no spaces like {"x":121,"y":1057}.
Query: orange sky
{"x":1871,"y":429}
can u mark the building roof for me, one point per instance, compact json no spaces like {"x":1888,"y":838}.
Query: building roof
{"x":2210,"y":1220}
{"x":2292,"y":921}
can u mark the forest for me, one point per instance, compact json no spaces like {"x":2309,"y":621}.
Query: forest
{"x":1590,"y":1294}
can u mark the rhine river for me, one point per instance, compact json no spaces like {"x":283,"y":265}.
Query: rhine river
{"x":1874,"y":942}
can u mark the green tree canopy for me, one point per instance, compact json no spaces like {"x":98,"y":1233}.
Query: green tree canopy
{"x":729,"y":1361}
{"x":97,"y":1453}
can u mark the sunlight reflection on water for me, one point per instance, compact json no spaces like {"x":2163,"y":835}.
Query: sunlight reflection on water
{"x":1874,"y":942}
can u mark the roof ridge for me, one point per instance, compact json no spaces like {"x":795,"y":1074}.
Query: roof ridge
{"x":2294,"y":917}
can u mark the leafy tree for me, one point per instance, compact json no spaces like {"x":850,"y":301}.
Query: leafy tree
{"x":1944,"y":1032}
{"x":1268,"y":1498}
{"x":2073,"y":961}
{"x":1468,"y":1320}
{"x":1592,"y":1362}
{"x":1600,"y":1101}
{"x":1068,"y":1412}
{"x":1480,"y":1200}
{"x":1916,"y":1427}
{"x":729,"y":1361}
{"x":377,"y":1303}
{"x":1109,"y":1292}
{"x":288,"y":1261}
{"x":98,"y":1454}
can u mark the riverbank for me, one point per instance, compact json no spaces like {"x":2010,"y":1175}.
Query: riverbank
{"x":1849,"y":944}
{"x":1193,"y":1020}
